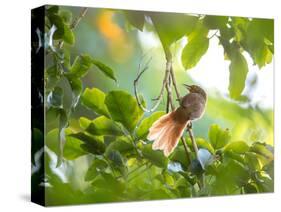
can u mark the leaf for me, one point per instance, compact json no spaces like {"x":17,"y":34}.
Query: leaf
{"x":84,"y":122}
{"x":193,"y":51}
{"x":57,"y":21}
{"x":259,"y":40}
{"x":154,"y":156}
{"x":92,"y":144}
{"x":201,"y":143}
{"x":68,"y":35}
{"x":238,"y":69}
{"x":53,"y":9}
{"x":215,"y":22}
{"x":53,"y":77}
{"x":66,"y":16}
{"x":77,"y":87}
{"x":253,"y":161}
{"x":63,"y":123}
{"x":239,"y":147}
{"x":179,"y":155}
{"x":105,"y":69}
{"x":146,"y":123}
{"x":104,"y":126}
{"x":262,"y":149}
{"x":171,"y":27}
{"x":118,"y":162}
{"x":251,"y":188}
{"x":94,"y":100}
{"x":218,"y":137}
{"x":121,"y":144}
{"x":72,"y":149}
{"x":55,"y":98}
{"x":231,"y":176}
{"x":136,"y":18}
{"x":81,"y":65}
{"x":97,"y":166}
{"x":123,"y":108}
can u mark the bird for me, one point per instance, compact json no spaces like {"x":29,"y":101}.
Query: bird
{"x":167,"y":130}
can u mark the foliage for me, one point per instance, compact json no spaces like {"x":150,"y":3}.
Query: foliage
{"x":122,"y":165}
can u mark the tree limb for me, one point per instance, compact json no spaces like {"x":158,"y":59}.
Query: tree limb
{"x":160,"y":96}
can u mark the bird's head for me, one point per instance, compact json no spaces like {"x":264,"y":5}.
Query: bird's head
{"x":196,"y":89}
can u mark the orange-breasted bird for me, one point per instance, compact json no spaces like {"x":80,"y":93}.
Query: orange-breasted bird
{"x":167,"y":130}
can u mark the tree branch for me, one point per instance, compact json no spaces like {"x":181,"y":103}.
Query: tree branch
{"x":189,"y":127}
{"x":160,"y":96}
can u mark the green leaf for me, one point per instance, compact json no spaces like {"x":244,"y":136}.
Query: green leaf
{"x":202,"y":143}
{"x":218,"y":137}
{"x":116,"y":158}
{"x":53,"y":9}
{"x":146,"y":123}
{"x":53,"y":77}
{"x":259,"y":40}
{"x":253,"y":161}
{"x":63,"y":123}
{"x":230,"y":177}
{"x":68,"y":35}
{"x":179,"y":155}
{"x":104,"y":126}
{"x":121,"y":144}
{"x":66,"y":16}
{"x":92,"y":144}
{"x":238,"y":69}
{"x":123,"y":108}
{"x":154,"y":156}
{"x":72,"y":149}
{"x":97,"y":166}
{"x":105,"y":69}
{"x":215,"y":22}
{"x":118,"y":162}
{"x":81,"y":65}
{"x":251,"y":188}
{"x":84,"y":122}
{"x":77,"y":87}
{"x":263,"y":149}
{"x":94,"y":100}
{"x":58,"y":22}
{"x":171,"y":27}
{"x":239,"y":147}
{"x":136,"y":18}
{"x":55,"y":98}
{"x":193,"y":51}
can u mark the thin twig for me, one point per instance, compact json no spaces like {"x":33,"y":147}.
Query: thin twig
{"x":190,"y":132}
{"x":189,"y":128}
{"x":215,"y":34}
{"x":174,"y":83}
{"x":169,"y":90}
{"x":160,"y":96}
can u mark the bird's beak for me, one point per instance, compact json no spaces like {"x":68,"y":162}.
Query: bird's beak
{"x":187,"y":86}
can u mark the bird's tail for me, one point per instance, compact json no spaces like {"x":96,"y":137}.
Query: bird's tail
{"x":166,"y":132}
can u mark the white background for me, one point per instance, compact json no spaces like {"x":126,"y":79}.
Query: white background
{"x":15,"y":104}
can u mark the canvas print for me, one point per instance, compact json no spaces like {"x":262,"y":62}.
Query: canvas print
{"x":144,"y":105}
